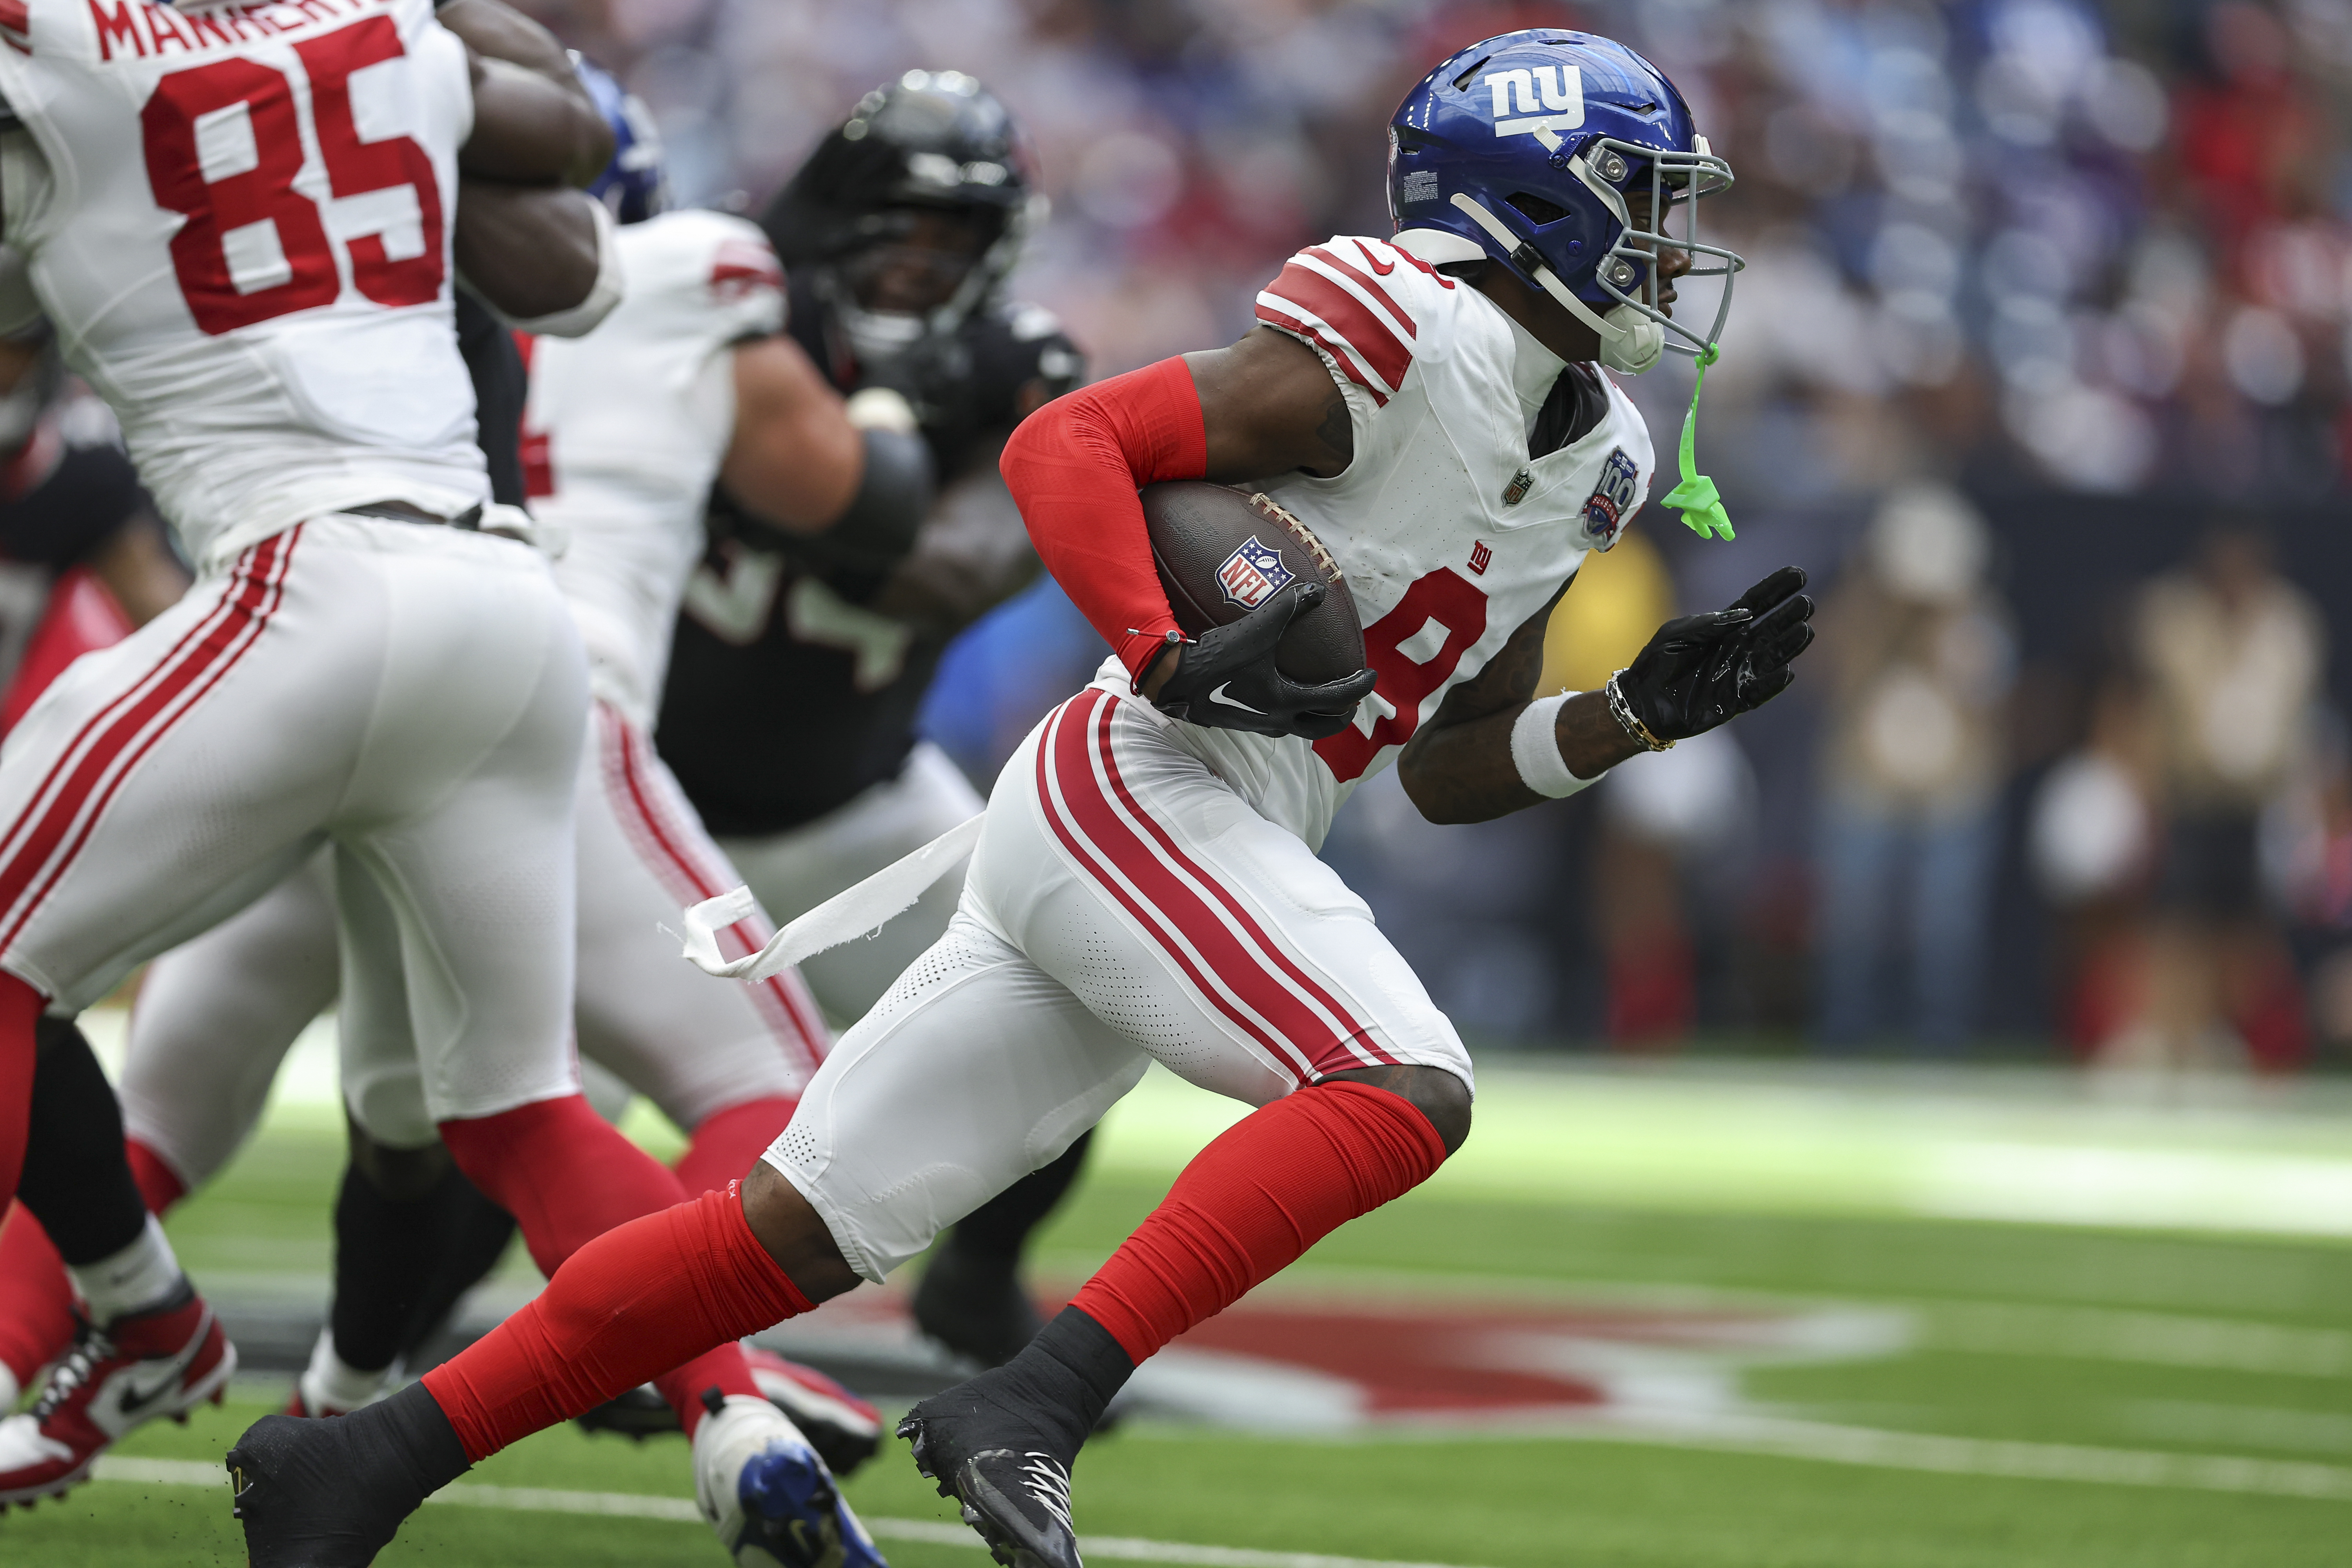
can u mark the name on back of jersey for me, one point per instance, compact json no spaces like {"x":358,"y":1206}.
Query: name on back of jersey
{"x":140,"y":29}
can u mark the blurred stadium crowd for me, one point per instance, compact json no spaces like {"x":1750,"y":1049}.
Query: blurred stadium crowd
{"x":2042,"y":364}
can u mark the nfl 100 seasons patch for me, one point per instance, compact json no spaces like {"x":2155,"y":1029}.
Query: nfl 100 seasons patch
{"x":1251,"y":573}
{"x":1612,"y":501}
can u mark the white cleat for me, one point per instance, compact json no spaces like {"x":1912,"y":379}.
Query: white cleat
{"x":768,"y":1496}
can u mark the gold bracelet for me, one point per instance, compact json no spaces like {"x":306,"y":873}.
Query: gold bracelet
{"x":1630,"y":721}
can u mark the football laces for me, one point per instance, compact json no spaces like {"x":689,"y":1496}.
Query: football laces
{"x":1050,"y":1485}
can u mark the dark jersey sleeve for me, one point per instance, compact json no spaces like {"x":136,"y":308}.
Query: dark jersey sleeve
{"x":70,"y":514}
{"x":500,"y":385}
{"x":786,"y":698}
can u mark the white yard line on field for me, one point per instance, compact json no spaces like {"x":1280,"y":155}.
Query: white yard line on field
{"x":1987,"y":1457}
{"x":1761,"y":1436}
{"x":627,"y":1505}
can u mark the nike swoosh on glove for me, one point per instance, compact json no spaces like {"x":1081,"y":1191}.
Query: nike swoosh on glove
{"x":1225,"y":679}
{"x":1703,"y":670}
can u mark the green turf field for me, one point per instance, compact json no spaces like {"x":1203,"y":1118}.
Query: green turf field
{"x":2172,"y":1385}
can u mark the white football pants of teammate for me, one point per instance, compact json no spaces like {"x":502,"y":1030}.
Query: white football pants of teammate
{"x":217,"y":1016}
{"x":791,"y":873}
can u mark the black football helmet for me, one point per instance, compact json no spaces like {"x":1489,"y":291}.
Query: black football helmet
{"x":910,"y":214}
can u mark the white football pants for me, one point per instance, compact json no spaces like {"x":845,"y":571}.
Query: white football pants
{"x":217,"y":1015}
{"x":410,"y":694}
{"x":791,"y":873}
{"x":1125,"y":905}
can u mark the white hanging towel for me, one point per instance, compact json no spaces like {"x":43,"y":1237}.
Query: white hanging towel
{"x":855,"y":911}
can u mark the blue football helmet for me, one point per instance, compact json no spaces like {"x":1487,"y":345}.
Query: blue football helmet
{"x":1525,"y":149}
{"x":634,"y":185}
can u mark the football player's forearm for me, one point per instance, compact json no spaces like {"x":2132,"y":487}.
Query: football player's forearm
{"x":533,"y":130}
{"x":529,"y":252}
{"x":499,"y":32}
{"x":968,"y":560}
{"x":1466,"y":772}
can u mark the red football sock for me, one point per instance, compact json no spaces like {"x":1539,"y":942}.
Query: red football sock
{"x":20,"y":1009}
{"x":158,"y":1183}
{"x":626,"y":1307}
{"x":36,"y":1301}
{"x":35,"y":1298}
{"x":728,"y":1144}
{"x":1268,"y":1188}
{"x":568,"y":1177}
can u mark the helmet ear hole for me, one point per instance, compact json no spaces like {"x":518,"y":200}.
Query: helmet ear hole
{"x":1536,"y":209}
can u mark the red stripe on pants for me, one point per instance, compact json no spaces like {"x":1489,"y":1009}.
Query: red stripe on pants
{"x":798,"y":1014}
{"x":1172,"y":907}
{"x":84,"y":780}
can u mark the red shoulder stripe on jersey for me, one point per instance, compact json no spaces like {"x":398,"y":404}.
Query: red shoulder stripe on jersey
{"x":1339,"y":354}
{"x":1383,"y":353}
{"x":1370,"y":285}
{"x":1442,"y":281}
{"x":740,"y":266}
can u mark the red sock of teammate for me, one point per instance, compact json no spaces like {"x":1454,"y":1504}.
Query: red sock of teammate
{"x":728,"y":1144}
{"x":158,"y":1185}
{"x":35,"y":1298}
{"x":622,"y":1309}
{"x":568,"y":1177}
{"x":1268,"y":1188}
{"x":20,"y":1009}
{"x":36,"y":1301}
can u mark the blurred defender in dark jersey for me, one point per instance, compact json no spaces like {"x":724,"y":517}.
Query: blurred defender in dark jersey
{"x":797,"y":671}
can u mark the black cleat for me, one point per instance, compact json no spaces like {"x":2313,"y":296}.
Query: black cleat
{"x":1006,"y":1464}
{"x":636,"y":1413}
{"x":974,"y":1304}
{"x":330,"y":1494}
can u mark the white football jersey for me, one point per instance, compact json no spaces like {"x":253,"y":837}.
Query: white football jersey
{"x":237,"y":217}
{"x":624,"y":431}
{"x":1450,"y":537}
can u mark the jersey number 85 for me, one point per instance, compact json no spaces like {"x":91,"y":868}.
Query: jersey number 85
{"x":245,"y":208}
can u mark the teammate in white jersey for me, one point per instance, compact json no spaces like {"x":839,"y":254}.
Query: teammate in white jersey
{"x":240,"y":219}
{"x":626,"y":428}
{"x":1145,"y":885}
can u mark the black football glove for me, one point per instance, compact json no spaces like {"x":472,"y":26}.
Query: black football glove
{"x":1225,"y":679}
{"x":1703,"y":670}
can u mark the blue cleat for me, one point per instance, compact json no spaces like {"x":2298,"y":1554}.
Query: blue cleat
{"x":767,"y":1494}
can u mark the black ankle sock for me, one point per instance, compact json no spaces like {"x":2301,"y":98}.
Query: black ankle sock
{"x":410,"y":1431}
{"x":75,"y":1181}
{"x":1074,"y":1368}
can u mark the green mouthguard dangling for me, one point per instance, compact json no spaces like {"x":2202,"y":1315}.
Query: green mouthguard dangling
{"x":1696,"y":497}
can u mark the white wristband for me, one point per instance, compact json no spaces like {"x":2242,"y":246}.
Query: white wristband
{"x":1534,"y":750}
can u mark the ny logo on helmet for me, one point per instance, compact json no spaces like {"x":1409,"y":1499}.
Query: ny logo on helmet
{"x":1562,"y":89}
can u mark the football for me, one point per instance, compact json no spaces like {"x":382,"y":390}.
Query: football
{"x":1222,"y":553}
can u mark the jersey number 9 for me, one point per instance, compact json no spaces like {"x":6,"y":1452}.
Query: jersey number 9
{"x":258,"y":203}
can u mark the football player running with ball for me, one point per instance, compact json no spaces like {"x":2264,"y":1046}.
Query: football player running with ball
{"x":1146,"y":885}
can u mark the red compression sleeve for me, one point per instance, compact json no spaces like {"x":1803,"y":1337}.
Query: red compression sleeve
{"x":628,"y":1306}
{"x":1270,"y":1187}
{"x":1074,"y":468}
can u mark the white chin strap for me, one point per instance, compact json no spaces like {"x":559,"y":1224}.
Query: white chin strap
{"x":1630,"y":342}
